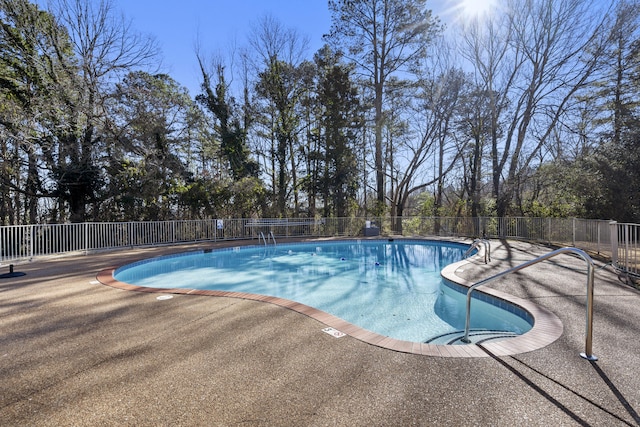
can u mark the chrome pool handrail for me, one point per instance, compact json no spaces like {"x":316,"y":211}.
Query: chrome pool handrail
{"x":263,"y":238}
{"x":476,"y":245}
{"x":272,"y":237}
{"x":590,"y":273}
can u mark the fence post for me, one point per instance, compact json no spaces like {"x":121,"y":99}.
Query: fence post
{"x":31,"y":235}
{"x":573,"y":232}
{"x":613,"y":231}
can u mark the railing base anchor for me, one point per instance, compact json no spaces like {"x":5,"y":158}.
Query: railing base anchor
{"x":589,"y":357}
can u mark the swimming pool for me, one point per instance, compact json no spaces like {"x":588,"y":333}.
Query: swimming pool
{"x":392,"y":288}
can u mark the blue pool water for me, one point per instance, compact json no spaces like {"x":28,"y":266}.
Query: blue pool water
{"x":393,"y":288}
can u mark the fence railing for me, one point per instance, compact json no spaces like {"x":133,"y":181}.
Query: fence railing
{"x":625,"y":252}
{"x":618,"y":242}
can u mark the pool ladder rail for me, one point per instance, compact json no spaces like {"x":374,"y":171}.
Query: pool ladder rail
{"x":589,"y":305}
{"x":476,"y":245}
{"x":264,"y":239}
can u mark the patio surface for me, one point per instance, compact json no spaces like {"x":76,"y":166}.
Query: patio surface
{"x":76,"y":352}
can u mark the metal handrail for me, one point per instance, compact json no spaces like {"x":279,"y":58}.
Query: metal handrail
{"x":263,"y":238}
{"x":272,"y":237}
{"x":476,"y":245}
{"x":590,"y":273}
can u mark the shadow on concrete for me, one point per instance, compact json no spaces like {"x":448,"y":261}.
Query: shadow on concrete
{"x":542,"y":392}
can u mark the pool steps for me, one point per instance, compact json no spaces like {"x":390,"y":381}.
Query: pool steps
{"x":476,"y":336}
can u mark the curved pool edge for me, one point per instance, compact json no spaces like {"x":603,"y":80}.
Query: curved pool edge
{"x":106,"y":278}
{"x":546,"y":329}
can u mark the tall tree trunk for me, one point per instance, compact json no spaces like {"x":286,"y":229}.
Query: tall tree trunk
{"x":379,"y":164}
{"x":294,"y":180}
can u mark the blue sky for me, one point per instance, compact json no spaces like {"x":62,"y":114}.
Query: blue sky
{"x":177,"y":25}
{"x":214,"y":24}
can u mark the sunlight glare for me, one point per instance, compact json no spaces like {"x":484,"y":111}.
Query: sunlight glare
{"x":476,"y":8}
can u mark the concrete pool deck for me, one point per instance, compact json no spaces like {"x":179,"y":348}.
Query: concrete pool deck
{"x":76,"y":352}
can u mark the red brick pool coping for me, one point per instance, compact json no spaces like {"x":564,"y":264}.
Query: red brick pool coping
{"x":546,"y":329}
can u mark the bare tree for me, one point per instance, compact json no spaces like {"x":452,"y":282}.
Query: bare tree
{"x":269,"y":39}
{"x":531,"y":61}
{"x":106,"y":49}
{"x":438,"y":106}
{"x":382,"y":37}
